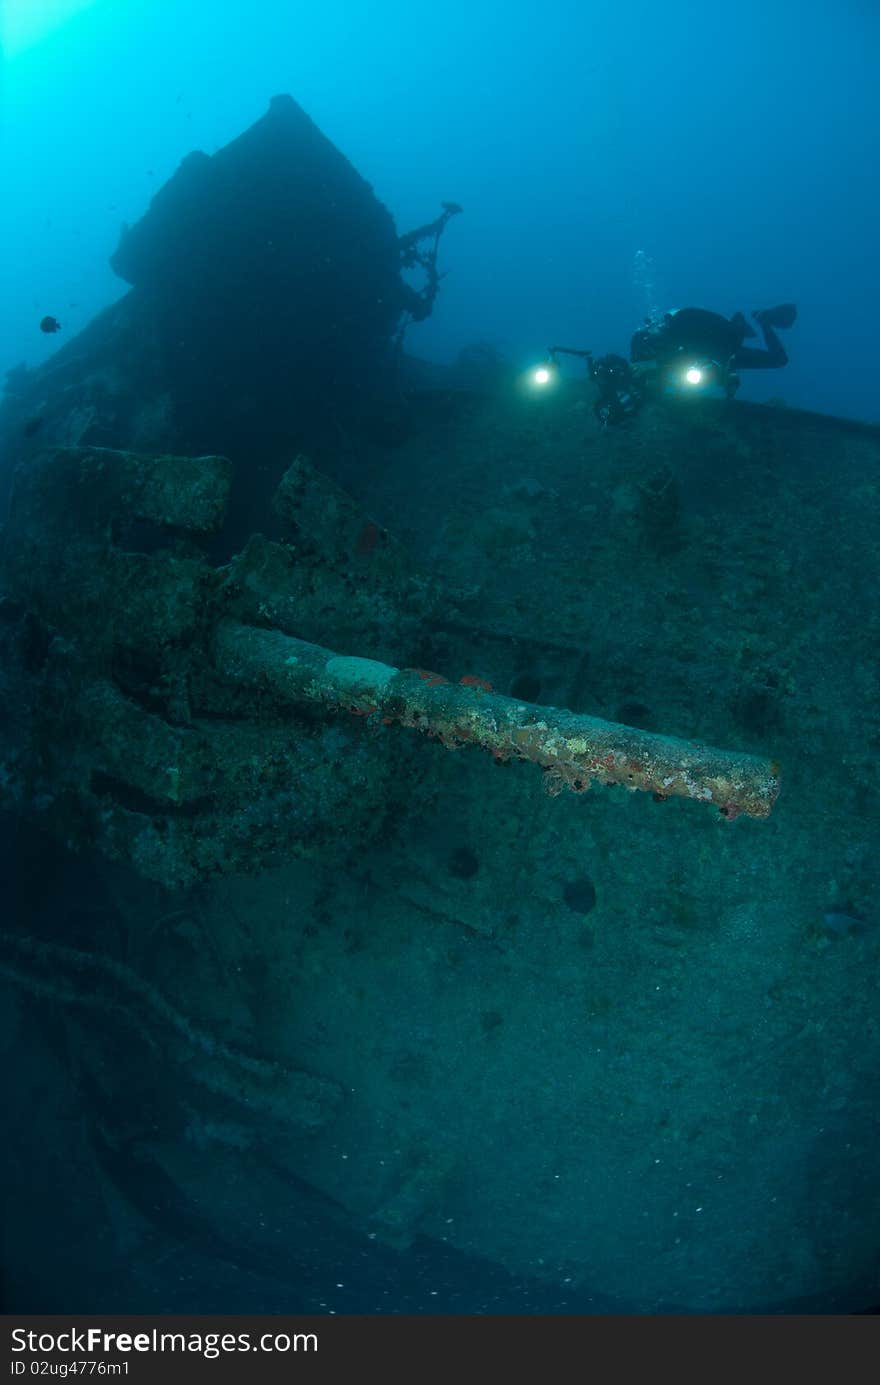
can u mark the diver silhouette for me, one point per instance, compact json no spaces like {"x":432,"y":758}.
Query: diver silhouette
{"x":703,"y":337}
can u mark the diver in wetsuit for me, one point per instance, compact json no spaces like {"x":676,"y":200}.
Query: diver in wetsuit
{"x":695,"y":340}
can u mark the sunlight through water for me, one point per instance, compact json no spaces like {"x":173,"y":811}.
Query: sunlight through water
{"x":25,"y":22}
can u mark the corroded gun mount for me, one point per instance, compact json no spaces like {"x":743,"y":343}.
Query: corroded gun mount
{"x":190,"y":720}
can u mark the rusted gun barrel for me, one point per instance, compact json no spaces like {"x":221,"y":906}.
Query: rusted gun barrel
{"x":572,"y":749}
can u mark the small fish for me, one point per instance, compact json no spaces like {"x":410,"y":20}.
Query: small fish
{"x":839,"y":924}
{"x":50,"y":324}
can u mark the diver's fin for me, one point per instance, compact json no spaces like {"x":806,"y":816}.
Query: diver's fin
{"x":783,"y":315}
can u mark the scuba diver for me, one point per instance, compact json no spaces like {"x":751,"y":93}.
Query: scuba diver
{"x":691,"y":348}
{"x":708,"y":348}
{"x":620,"y":393}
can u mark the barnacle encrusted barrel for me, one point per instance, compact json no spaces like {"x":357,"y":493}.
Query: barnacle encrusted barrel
{"x":572,"y":749}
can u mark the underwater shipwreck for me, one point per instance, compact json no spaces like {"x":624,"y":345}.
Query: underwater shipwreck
{"x":433,"y":825}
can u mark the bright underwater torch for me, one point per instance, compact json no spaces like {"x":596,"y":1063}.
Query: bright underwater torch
{"x":702,"y":376}
{"x":547,"y":373}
